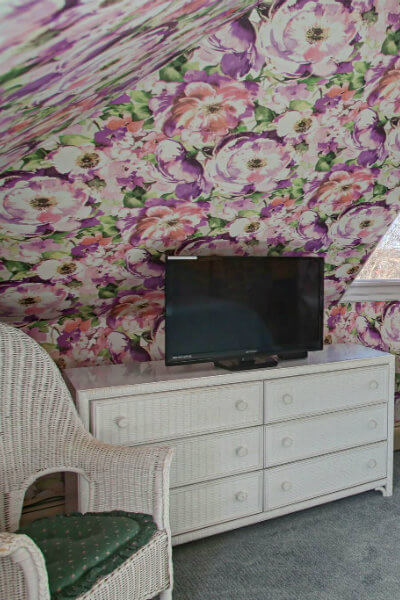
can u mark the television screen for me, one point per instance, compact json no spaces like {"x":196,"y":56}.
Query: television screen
{"x":227,"y":307}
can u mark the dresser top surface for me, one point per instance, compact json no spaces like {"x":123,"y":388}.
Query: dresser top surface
{"x":156,"y":372}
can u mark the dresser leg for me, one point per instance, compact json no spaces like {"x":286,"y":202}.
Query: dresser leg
{"x":385,"y":490}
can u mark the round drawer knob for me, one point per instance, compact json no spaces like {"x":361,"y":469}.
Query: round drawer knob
{"x":121,"y":422}
{"x":241,"y":405}
{"x":286,"y":486}
{"x":287,"y":442}
{"x":241,"y":496}
{"x":287,"y":399}
{"x":372,"y":424}
{"x":371,"y":463}
{"x":242,"y":451}
{"x":373,"y":385}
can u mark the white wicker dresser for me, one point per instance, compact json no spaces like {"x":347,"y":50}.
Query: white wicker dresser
{"x":255,"y":444}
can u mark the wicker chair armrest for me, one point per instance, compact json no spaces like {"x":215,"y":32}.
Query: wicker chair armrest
{"x":23,"y":573}
{"x":134,"y":479}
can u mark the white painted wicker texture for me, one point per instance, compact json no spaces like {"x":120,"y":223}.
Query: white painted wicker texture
{"x":40,"y":433}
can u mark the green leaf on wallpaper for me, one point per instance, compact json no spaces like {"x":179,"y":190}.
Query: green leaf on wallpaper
{"x":55,"y":254}
{"x":149,"y":124}
{"x":140,"y":96}
{"x":299,"y":105}
{"x":216,"y":223}
{"x":35,"y":159}
{"x":379,"y":189}
{"x":169,"y":73}
{"x":14,"y":73}
{"x":392,"y":43}
{"x":134,"y":198}
{"x":105,"y":353}
{"x":248,"y":213}
{"x":74,"y":139}
{"x":361,"y":66}
{"x":311,"y":81}
{"x":16,"y":266}
{"x":263,"y":113}
{"x":141,"y":112}
{"x":357,"y":81}
{"x":323,"y":165}
{"x":108,"y":226}
{"x":47,"y":346}
{"x":108,"y":291}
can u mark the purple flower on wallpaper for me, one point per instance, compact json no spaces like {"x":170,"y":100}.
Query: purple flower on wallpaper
{"x":236,"y":42}
{"x":369,"y":137}
{"x":368,"y":333}
{"x":247,"y":163}
{"x":393,"y":142}
{"x":333,"y":290}
{"x":390,"y":330}
{"x":43,"y":204}
{"x":148,"y":272}
{"x":178,"y":168}
{"x":361,"y":224}
{"x":314,"y":230}
{"x":308,"y":37}
{"x":203,"y":107}
{"x":124,"y":350}
{"x":209,"y":246}
{"x":163,"y":224}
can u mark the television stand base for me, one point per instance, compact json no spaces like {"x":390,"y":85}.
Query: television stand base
{"x":292,"y":355}
{"x":241,"y":364}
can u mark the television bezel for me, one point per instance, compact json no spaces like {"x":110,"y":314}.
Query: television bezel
{"x":203,"y":357}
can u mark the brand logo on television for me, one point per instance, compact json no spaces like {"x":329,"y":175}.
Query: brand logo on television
{"x":250,"y":351}
{"x":180,"y":356}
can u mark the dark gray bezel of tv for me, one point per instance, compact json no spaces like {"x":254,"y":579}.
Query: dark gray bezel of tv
{"x":243,"y":357}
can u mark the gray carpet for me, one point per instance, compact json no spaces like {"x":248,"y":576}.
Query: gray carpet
{"x":345,"y":550}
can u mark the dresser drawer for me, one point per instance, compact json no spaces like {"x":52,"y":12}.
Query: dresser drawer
{"x":169,"y":415}
{"x":324,"y":392}
{"x":318,"y":476}
{"x":303,"y":438}
{"x":216,"y":455}
{"x":201,"y":505}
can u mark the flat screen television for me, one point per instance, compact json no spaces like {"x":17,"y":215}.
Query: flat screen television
{"x":242,"y":308}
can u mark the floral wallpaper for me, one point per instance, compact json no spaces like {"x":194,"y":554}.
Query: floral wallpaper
{"x":63,"y":59}
{"x":279,"y":134}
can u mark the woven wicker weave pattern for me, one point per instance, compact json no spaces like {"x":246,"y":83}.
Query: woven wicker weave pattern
{"x":41,"y":433}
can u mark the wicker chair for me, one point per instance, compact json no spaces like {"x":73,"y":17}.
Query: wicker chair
{"x":40,"y":433}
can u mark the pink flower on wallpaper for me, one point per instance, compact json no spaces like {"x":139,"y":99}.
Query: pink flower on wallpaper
{"x":390,"y":330}
{"x":59,"y":270}
{"x":393,"y":142}
{"x":135,"y":313}
{"x":247,"y":228}
{"x":247,"y":163}
{"x":210,"y":246}
{"x":308,"y":37}
{"x":361,"y":224}
{"x":340,"y":188}
{"x":78,"y":162}
{"x":40,"y":300}
{"x":204,"y":107}
{"x":38,"y":205}
{"x":386,"y":92}
{"x":295,"y":126}
{"x":164,"y":224}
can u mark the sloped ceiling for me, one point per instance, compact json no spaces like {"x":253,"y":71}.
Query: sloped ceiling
{"x":60,"y":60}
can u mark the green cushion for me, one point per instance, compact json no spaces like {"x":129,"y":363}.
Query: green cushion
{"x":79,"y":549}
